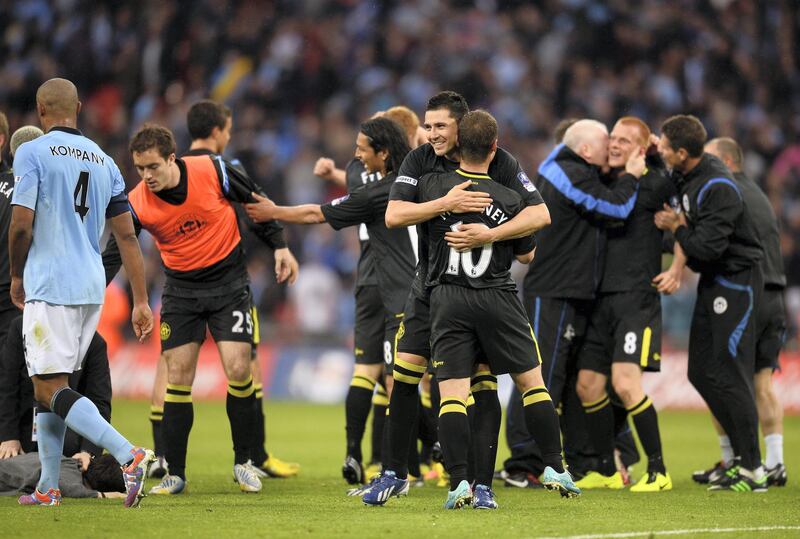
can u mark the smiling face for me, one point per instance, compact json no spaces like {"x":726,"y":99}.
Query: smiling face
{"x":373,"y":161}
{"x":155,"y":170}
{"x":442,"y":130}
{"x":623,"y":140}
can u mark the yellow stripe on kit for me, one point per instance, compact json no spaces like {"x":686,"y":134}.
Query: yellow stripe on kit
{"x":533,"y":398}
{"x":410,"y":366}
{"x":452,"y":405}
{"x":641,"y":407}
{"x":241,"y":389}
{"x":646,"y":336}
{"x":363,"y":382}
{"x":169,"y":397}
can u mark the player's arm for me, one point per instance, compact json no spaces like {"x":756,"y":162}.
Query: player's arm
{"x":112,"y":260}
{"x":125,"y":235}
{"x":524,"y":248}
{"x":326,"y":169}
{"x":526,"y":222}
{"x":458,"y":200}
{"x":710,"y":235}
{"x":11,"y":362}
{"x":237,"y":186}
{"x":264,"y":209}
{"x":20,"y":235}
{"x":20,"y":231}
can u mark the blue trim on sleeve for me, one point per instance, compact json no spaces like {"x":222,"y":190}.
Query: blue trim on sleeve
{"x":537,"y":308}
{"x":714,"y":181}
{"x":226,"y":184}
{"x":553,"y":173}
{"x":133,"y":213}
{"x":736,"y":336}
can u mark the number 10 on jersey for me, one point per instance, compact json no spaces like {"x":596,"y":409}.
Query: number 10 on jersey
{"x":470,"y":268}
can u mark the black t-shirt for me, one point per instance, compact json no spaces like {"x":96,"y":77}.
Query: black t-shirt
{"x":633,"y":249}
{"x":394,"y":250}
{"x":356,"y":176}
{"x":6,"y":189}
{"x":483,"y":267}
{"x":504,"y":169}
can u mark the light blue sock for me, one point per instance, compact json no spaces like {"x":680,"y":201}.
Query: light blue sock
{"x":50,"y":431}
{"x":85,"y":419}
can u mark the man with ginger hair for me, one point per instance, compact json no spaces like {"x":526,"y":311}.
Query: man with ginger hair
{"x":623,"y":337}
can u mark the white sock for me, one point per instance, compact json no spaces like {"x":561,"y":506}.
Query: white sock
{"x":774,"y":443}
{"x":726,"y":448}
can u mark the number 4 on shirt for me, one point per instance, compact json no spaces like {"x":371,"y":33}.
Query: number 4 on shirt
{"x":81,"y":190}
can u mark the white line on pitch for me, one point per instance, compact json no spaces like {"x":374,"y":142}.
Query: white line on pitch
{"x":653,"y":533}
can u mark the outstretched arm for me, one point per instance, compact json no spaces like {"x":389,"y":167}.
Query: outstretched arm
{"x":125,"y":236}
{"x":264,"y":210}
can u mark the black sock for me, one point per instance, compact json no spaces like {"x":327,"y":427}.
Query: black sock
{"x":471,"y":448}
{"x":542,"y":422}
{"x":485,"y":426}
{"x":413,"y":450}
{"x":454,"y":436}
{"x":645,"y":419}
{"x":176,"y":425}
{"x":600,"y":424}
{"x":156,"y":417}
{"x":403,"y":409}
{"x":356,"y":406}
{"x":380,"y":403}
{"x":241,"y":408}
{"x":258,"y":453}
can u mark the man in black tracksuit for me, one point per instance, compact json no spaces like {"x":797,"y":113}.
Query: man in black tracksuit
{"x":563,"y":277}
{"x":716,"y":232}
{"x":770,"y":322}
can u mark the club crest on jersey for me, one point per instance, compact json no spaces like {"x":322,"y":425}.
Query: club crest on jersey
{"x":337,"y":201}
{"x":190,"y":224}
{"x":686,"y":204}
{"x":720,"y":305}
{"x":165,"y":331}
{"x":526,"y":182}
{"x":569,"y":333}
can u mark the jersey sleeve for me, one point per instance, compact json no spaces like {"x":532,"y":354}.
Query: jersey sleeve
{"x":237,"y":186}
{"x":26,"y":177}
{"x":655,"y":190}
{"x":119,"y":201}
{"x":349,"y":210}
{"x":406,"y":186}
{"x":524,"y":245}
{"x":510,"y":173}
{"x":718,"y":207}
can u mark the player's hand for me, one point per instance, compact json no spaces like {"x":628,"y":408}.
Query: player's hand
{"x":17,"y":292}
{"x":10,"y":448}
{"x":142,"y":320}
{"x":635,"y":165}
{"x":324,"y":168}
{"x":286,"y":267}
{"x":667,"y":282}
{"x":469,"y":236}
{"x":261,"y":210}
{"x":669,"y":219}
{"x":459,"y":200}
{"x":84,"y":458}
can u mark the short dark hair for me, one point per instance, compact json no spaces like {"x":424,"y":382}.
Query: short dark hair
{"x":386,"y":134}
{"x":152,"y":136}
{"x":687,"y":132}
{"x":477,"y":133}
{"x":561,"y":128}
{"x":451,"y":101}
{"x":204,"y":116}
{"x":104,"y":474}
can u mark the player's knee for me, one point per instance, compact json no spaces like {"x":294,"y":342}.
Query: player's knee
{"x":589,"y":388}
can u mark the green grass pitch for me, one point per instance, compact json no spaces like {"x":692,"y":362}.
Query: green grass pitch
{"x":314,"y":503}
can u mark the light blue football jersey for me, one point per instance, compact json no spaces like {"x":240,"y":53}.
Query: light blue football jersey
{"x":68,"y":181}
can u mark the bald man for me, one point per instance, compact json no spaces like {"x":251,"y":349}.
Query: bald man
{"x":57,"y":276}
{"x":770,"y":322}
{"x":563,"y":278}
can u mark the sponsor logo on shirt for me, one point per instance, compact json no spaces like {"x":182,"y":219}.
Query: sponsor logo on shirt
{"x":526,"y":182}
{"x":406,"y":179}
{"x":337,"y":201}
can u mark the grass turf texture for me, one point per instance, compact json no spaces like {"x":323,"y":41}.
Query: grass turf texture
{"x":314,"y":504}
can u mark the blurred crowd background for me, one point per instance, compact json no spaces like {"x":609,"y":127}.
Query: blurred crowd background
{"x":301,"y":74}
